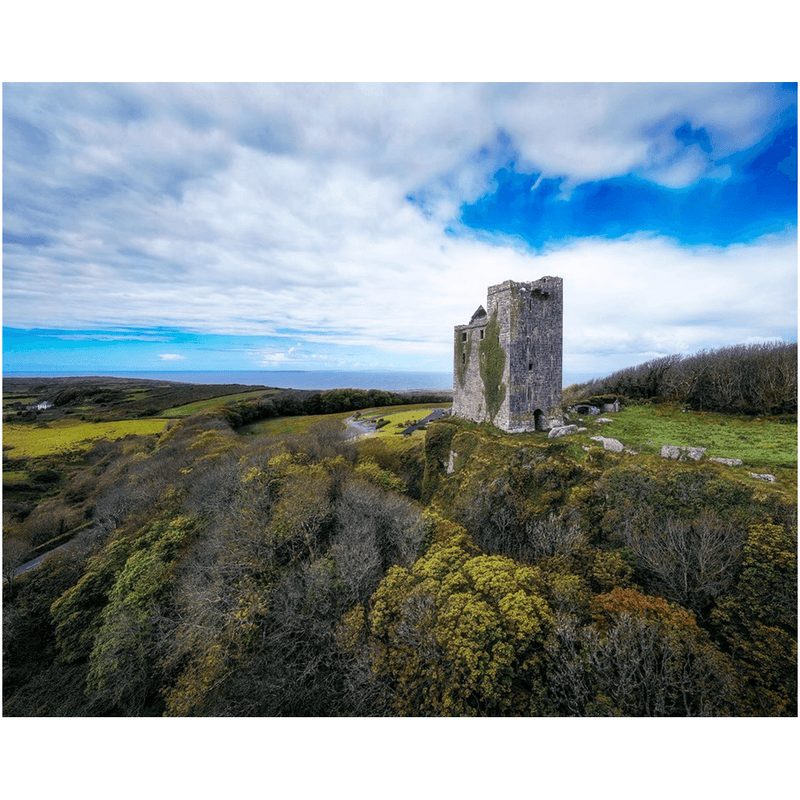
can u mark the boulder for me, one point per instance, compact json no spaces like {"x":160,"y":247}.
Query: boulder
{"x":695,"y":453}
{"x":562,"y":430}
{"x":763,"y":477}
{"x":604,"y":419}
{"x":731,"y":462}
{"x":682,"y":453}
{"x":614,"y":445}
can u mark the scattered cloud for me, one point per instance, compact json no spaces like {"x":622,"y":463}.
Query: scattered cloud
{"x":171,"y":357}
{"x":105,"y":337}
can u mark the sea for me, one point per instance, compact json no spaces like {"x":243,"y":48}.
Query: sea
{"x":386,"y":380}
{"x":281,"y":379}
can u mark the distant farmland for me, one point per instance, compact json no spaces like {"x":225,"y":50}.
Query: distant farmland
{"x":28,"y":441}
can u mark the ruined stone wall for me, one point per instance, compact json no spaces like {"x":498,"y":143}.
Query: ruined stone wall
{"x":468,"y":395}
{"x":507,"y":360}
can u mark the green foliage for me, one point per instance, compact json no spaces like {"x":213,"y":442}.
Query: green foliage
{"x":462,"y":355}
{"x":29,"y":646}
{"x":758,"y":622}
{"x":610,"y":569}
{"x":641,"y":491}
{"x":492,"y":364}
{"x":437,"y":452}
{"x":77,"y":613}
{"x":122,"y":659}
{"x":295,"y":574}
{"x":460,"y":633}
{"x":369,"y":470}
{"x":506,"y":491}
{"x":301,"y":514}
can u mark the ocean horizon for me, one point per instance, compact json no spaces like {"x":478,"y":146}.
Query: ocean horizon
{"x":385,"y":380}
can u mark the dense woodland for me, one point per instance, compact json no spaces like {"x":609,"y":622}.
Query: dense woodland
{"x":748,"y":379}
{"x":471,"y":573}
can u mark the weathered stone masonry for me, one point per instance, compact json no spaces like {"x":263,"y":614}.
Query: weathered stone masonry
{"x":507,"y":360}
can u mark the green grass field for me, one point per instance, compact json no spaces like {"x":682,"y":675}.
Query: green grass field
{"x":289,"y":426}
{"x":283,"y":426}
{"x":766,"y":443}
{"x":400,"y":419}
{"x":31,"y":441}
{"x":204,"y":405}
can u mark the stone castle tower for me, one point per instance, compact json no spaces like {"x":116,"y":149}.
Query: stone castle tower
{"x":507,"y":360}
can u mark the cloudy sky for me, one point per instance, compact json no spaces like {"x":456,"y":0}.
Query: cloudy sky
{"x":351,"y":226}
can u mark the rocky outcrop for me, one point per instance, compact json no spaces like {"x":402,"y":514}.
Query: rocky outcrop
{"x":682,"y":453}
{"x":763,"y":476}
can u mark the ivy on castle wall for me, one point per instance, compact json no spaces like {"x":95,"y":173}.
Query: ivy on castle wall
{"x":492,"y":364}
{"x":463,"y":350}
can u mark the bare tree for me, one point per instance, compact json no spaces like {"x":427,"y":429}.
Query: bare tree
{"x":374,"y":530}
{"x":15,"y":549}
{"x":691,"y":561}
{"x":552,"y":537}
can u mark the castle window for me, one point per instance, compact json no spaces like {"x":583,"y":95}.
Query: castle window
{"x":482,"y":333}
{"x":530,"y":366}
{"x":463,"y":358}
{"x":464,"y":336}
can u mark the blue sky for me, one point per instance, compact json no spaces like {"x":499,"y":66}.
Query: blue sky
{"x":351,"y":226}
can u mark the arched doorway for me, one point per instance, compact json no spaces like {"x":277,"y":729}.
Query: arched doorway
{"x":539,"y":420}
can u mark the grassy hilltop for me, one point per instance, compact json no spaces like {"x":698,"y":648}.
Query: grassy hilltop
{"x":239,"y":561}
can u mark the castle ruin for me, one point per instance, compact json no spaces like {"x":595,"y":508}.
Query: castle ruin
{"x":507,"y":360}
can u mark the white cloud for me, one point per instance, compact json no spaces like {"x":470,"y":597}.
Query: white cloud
{"x":171,"y":357}
{"x":272,"y":357}
{"x":281,"y":210}
{"x":352,"y":262}
{"x":686,"y":169}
